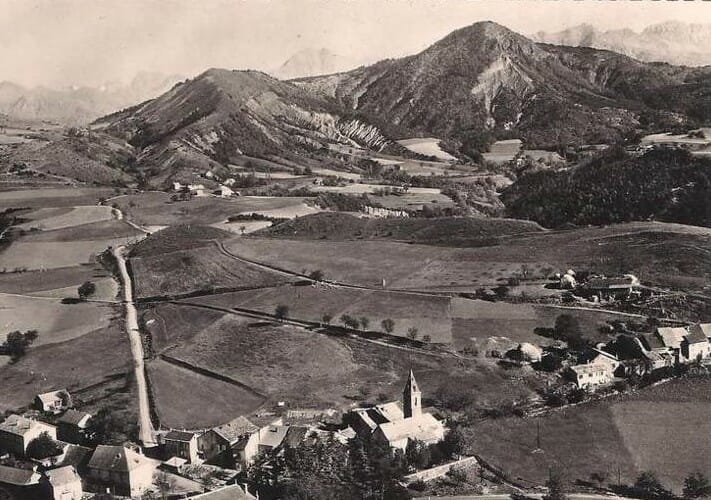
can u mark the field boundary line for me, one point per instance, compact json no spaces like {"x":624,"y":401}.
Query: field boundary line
{"x":209,"y":373}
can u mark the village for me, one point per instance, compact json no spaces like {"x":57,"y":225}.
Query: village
{"x":54,"y":451}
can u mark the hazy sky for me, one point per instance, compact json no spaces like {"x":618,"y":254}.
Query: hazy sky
{"x":64,"y":42}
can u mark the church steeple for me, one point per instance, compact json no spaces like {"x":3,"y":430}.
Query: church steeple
{"x":411,"y":397}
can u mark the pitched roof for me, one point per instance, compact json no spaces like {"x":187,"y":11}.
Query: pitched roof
{"x":235,"y":429}
{"x":19,"y":425}
{"x":73,"y":417}
{"x":18,"y":477}
{"x":696,"y":335}
{"x":423,"y":427}
{"x":653,"y":341}
{"x":272,"y":435}
{"x":116,"y":458}
{"x":51,"y":396}
{"x":179,"y":436}
{"x":75,"y":455}
{"x":62,"y":475}
{"x":705,"y":328}
{"x":232,"y":492}
{"x":672,"y":336}
{"x":601,"y":282}
{"x":295,"y":434}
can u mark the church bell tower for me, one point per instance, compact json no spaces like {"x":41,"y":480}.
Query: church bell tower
{"x":411,"y":398}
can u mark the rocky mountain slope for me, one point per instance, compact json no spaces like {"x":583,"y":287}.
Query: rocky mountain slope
{"x":221,"y":115}
{"x":79,"y":105}
{"x":313,"y":62}
{"x":487,"y":80}
{"x":672,"y":42}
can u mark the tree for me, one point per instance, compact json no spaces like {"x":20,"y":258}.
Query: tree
{"x":556,"y":487}
{"x":86,"y":289}
{"x":388,"y":325}
{"x":242,"y":229}
{"x":696,"y":485}
{"x":648,"y":484}
{"x":326,"y":318}
{"x":599,"y":477}
{"x":453,"y":442}
{"x":567,"y":328}
{"x":16,"y":343}
{"x":364,"y":322}
{"x":426,"y":338}
{"x":349,"y":321}
{"x":43,"y":446}
{"x":165,"y":484}
{"x":418,"y":454}
{"x":501,"y":292}
{"x":316,"y":275}
{"x":412,"y":333}
{"x":281,"y":311}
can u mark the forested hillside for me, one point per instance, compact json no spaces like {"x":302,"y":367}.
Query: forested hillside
{"x":667,"y":185}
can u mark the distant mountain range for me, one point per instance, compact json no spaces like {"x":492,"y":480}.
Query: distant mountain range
{"x":478,"y":84}
{"x":673,"y":42}
{"x":313,"y":62}
{"x":80,"y":105}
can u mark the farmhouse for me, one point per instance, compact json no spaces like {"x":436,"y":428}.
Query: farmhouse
{"x":695,"y":345}
{"x":224,"y":191}
{"x":72,"y":426}
{"x":598,"y":372}
{"x":19,"y":483}
{"x":230,"y":443}
{"x":610,"y":287}
{"x":181,"y":444}
{"x":54,"y":401}
{"x":396,"y":424}
{"x":123,"y":470}
{"x":17,"y":432}
{"x":64,"y":484}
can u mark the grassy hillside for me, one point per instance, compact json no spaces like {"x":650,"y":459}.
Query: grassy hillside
{"x":457,"y":231}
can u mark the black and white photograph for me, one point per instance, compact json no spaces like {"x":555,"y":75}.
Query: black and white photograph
{"x":355,"y":250}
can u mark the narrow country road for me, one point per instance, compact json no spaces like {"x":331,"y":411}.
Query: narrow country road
{"x":146,"y":431}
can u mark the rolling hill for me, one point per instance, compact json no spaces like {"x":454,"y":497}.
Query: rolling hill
{"x":222,"y":114}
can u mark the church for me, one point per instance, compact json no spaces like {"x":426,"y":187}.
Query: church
{"x":398,"y":422}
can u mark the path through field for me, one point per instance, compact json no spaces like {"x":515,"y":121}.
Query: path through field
{"x":146,"y":431}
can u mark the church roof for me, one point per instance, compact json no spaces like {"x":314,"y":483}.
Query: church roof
{"x":423,"y":427}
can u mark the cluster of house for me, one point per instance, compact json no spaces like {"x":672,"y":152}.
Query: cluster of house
{"x":601,"y":287}
{"x":223,"y":190}
{"x":186,"y":457}
{"x":663,"y":348}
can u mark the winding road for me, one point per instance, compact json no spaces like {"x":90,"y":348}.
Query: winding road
{"x":146,"y":430}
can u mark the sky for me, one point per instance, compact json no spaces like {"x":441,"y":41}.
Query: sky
{"x":58,"y":43}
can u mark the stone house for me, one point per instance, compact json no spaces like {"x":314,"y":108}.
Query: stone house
{"x":17,"y":432}
{"x":122,"y":470}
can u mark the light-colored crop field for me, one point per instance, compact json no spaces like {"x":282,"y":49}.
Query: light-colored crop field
{"x":55,"y":322}
{"x":107,"y":289}
{"x":503,"y":151}
{"x":52,"y":197}
{"x":32,"y":255}
{"x":106,"y":229}
{"x":46,"y":220}
{"x":35,"y":281}
{"x":156,"y":209}
{"x":186,"y":399}
{"x":428,"y":146}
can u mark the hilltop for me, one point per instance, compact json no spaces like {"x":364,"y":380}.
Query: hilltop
{"x":220,"y":115}
{"x":455,"y":231}
{"x":486,"y":81}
